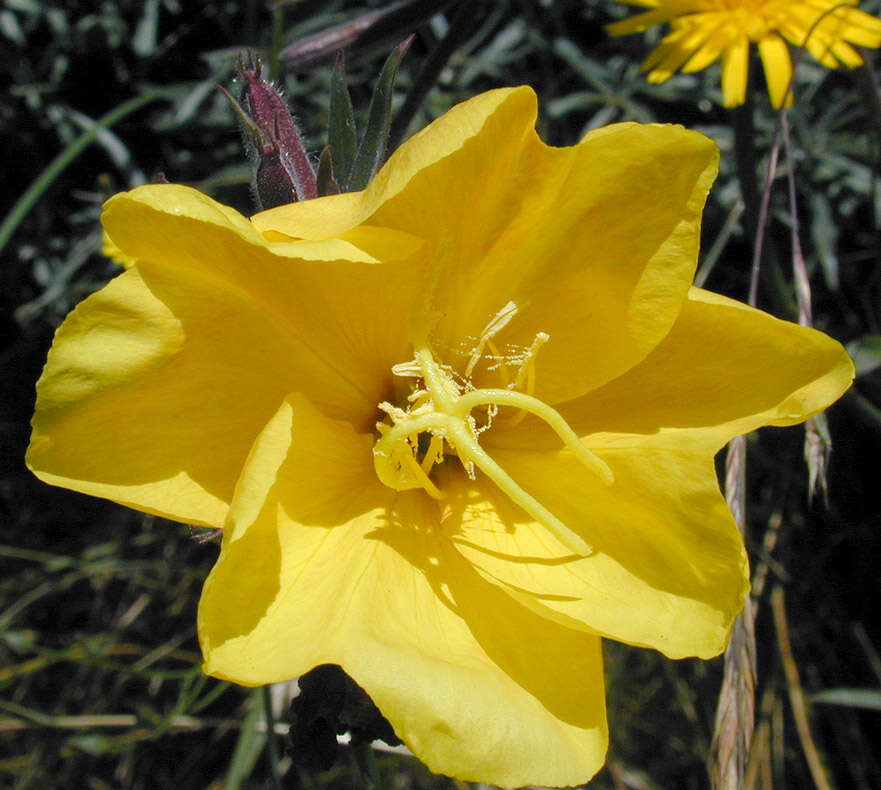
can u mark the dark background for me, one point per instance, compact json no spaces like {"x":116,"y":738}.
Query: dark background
{"x":98,"y":656}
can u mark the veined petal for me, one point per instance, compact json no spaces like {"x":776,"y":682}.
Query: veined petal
{"x":157,"y":385}
{"x":778,"y":69}
{"x":724,"y":369}
{"x":334,"y":215}
{"x":668,"y":569}
{"x":606,"y":278}
{"x":621,"y":255}
{"x":114,"y":419}
{"x":318,"y":568}
{"x":309,"y":294}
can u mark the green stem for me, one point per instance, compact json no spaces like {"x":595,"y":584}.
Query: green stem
{"x":277,"y":41}
{"x":271,"y":741}
{"x":57,"y":166}
{"x":745,"y":163}
{"x":366,"y":762}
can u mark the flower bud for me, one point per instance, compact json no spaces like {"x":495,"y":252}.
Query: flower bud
{"x":282,"y":171}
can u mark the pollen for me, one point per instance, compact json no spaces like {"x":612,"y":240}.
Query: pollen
{"x":443,"y":417}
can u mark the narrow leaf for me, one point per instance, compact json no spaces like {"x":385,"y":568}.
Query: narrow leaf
{"x":372,"y":30}
{"x":327,"y":184}
{"x":371,"y":152}
{"x":869,"y":699}
{"x":824,"y":234}
{"x":866,"y":353}
{"x":341,"y":133}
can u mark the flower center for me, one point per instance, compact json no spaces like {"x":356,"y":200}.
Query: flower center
{"x":444,"y":418}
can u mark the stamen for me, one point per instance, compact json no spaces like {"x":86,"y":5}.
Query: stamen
{"x":527,"y":371}
{"x":496,"y":324}
{"x":527,"y":367}
{"x":506,"y":379}
{"x":434,"y":454}
{"x":409,"y":369}
{"x":420,"y":475}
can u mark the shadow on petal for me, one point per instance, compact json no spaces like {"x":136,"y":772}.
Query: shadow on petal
{"x":250,"y":578}
{"x":535,"y":652}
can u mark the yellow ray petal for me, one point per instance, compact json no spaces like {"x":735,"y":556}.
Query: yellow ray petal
{"x":735,"y":65}
{"x":640,"y":22}
{"x":714,"y":41}
{"x":778,"y":69}
{"x":674,"y":51}
{"x":311,"y":573}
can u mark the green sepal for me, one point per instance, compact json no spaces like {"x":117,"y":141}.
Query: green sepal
{"x":327,"y":184}
{"x":341,"y":133}
{"x":371,"y":152}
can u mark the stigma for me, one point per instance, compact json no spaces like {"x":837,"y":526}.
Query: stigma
{"x":444,"y":416}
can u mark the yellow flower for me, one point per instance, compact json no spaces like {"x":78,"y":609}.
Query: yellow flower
{"x":456,"y":427}
{"x":702,"y":30}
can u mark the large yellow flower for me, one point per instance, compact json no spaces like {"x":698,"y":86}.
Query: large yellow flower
{"x":456,"y":427}
{"x":703,"y":30}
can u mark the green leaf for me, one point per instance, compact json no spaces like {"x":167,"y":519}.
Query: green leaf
{"x":371,"y":152}
{"x":824,"y":234}
{"x":95,"y":745}
{"x":866,"y":353}
{"x":341,"y":134}
{"x":869,"y":699}
{"x":371,"y":31}
{"x":248,"y":746}
{"x":327,"y":184}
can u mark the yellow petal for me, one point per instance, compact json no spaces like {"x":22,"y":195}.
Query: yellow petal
{"x":668,"y":568}
{"x":561,"y":228}
{"x":575,"y":238}
{"x":714,"y":42}
{"x":114,"y":420}
{"x":309,"y":296}
{"x":157,"y":385}
{"x":673,"y":51}
{"x":724,"y":369}
{"x":778,"y":69}
{"x":110,"y":250}
{"x":321,"y":565}
{"x":640,"y":22}
{"x":735,"y":66}
{"x":334,"y":215}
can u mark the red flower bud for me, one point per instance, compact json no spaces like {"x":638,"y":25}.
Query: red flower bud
{"x":282,"y":171}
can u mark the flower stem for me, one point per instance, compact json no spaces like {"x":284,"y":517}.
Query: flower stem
{"x":366,"y":762}
{"x":271,"y":740}
{"x":745,"y":163}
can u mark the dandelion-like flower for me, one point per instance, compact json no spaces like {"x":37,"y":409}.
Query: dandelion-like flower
{"x":703,"y":30}
{"x":456,"y":427}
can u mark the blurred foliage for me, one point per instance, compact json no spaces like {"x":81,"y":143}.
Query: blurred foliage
{"x":99,"y":668}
